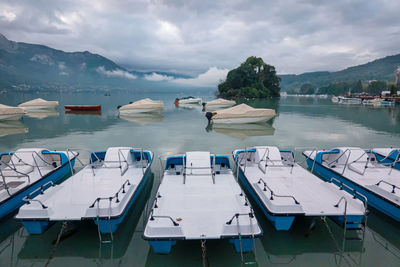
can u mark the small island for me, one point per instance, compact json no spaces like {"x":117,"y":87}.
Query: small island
{"x":252,"y":79}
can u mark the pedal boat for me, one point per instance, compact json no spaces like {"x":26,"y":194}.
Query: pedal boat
{"x":103,"y":191}
{"x":388,"y":156}
{"x":142,"y":106}
{"x":29,"y":171}
{"x":359,"y":170}
{"x":38,"y":104}
{"x":284,"y":190}
{"x":199,"y":199}
{"x":240,"y":114}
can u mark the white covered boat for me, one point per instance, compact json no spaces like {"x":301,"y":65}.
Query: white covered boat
{"x":142,"y":106}
{"x":38,"y":103}
{"x":199,"y":199}
{"x":219,"y":103}
{"x":349,"y":100}
{"x":374,"y":102}
{"x":335,"y":99}
{"x":11,"y":113}
{"x":103,"y":191}
{"x":284,"y":190}
{"x":362,"y":172}
{"x":187,"y":100}
{"x":30,"y":171}
{"x":241,"y":114}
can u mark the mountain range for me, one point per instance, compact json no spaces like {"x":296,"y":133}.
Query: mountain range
{"x":381,"y":69}
{"x":38,"y":66}
{"x":23,"y":64}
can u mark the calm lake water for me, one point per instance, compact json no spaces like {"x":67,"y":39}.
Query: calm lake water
{"x":301,"y":122}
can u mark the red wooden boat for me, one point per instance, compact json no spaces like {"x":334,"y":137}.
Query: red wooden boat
{"x":82,"y":107}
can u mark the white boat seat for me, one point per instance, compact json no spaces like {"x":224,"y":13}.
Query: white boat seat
{"x":198,"y":162}
{"x":118,"y":157}
{"x":269,"y":154}
{"x":357,"y":160}
{"x":20,"y":171}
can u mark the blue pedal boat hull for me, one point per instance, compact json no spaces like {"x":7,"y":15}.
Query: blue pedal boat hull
{"x":374,"y":200}
{"x":16,"y":201}
{"x":281,"y":223}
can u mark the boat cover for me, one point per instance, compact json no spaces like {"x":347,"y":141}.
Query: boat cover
{"x":39,"y":102}
{"x":143,"y":104}
{"x":220,"y":101}
{"x":242,"y":111}
{"x":7,"y":110}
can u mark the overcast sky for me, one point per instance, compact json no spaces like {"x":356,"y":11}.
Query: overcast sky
{"x":194,"y":37}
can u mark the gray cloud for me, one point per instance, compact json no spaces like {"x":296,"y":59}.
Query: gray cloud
{"x":192,"y":36}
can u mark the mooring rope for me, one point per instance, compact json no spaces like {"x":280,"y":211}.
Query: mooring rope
{"x":56,"y":244}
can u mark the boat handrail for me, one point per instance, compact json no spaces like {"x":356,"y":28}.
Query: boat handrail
{"x":392,"y":185}
{"x":236,"y":215}
{"x":337,"y":159}
{"x":355,"y":192}
{"x":116,"y":195}
{"x":152,"y":216}
{"x":314,"y":149}
{"x":275,"y":195}
{"x":28,"y":198}
{"x":15,"y":170}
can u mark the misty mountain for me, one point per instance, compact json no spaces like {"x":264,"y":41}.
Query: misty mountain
{"x":42,"y":66}
{"x":380,"y":69}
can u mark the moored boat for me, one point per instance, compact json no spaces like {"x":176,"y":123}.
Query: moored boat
{"x":30,"y":171}
{"x":349,"y":100}
{"x":218,"y":103}
{"x":146,"y":105}
{"x":374,"y":102}
{"x":284,"y":190}
{"x":38,"y":103}
{"x":199,"y":199}
{"x":82,"y":108}
{"x":187,"y":100}
{"x":359,"y":169}
{"x":103,"y":191}
{"x":11,"y":113}
{"x":241,"y":114}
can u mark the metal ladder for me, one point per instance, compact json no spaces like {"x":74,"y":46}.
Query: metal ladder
{"x":111,"y":238}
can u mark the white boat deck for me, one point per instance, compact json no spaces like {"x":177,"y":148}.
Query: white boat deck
{"x":350,"y":162}
{"x":73,"y":199}
{"x":24,"y":168}
{"x":314,"y":196}
{"x":200,"y":207}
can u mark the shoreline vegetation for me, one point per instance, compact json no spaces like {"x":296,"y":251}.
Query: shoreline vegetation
{"x":346,"y":88}
{"x":252,"y":79}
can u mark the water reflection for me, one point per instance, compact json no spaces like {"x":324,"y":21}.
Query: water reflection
{"x":41,"y":114}
{"x":143,"y":118}
{"x":12,"y":127}
{"x":243,"y":131}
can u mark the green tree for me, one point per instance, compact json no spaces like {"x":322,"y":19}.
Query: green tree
{"x":393,"y":90}
{"x":356,"y":87}
{"x":376,"y":87}
{"x":253,"y":79}
{"x":307,"y":89}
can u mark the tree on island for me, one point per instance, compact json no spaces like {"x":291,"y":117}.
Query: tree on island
{"x":252,"y":79}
